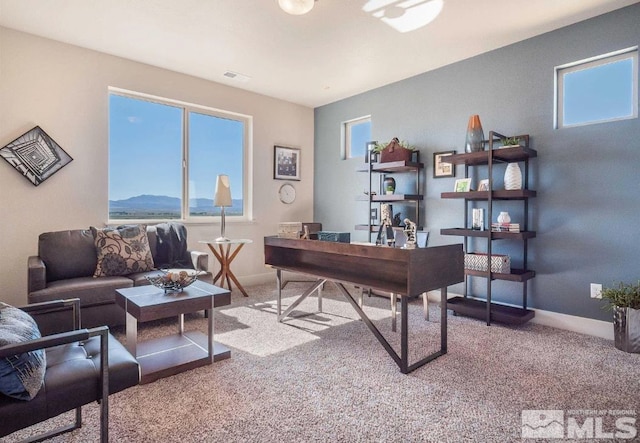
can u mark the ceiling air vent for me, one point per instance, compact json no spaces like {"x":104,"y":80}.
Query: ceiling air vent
{"x":237,"y":76}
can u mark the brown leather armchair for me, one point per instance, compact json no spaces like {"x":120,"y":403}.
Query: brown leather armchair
{"x":83,"y":365}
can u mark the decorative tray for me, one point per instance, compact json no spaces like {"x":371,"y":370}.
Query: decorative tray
{"x":174,"y":279}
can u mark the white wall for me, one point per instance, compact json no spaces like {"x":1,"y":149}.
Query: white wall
{"x":63,"y":89}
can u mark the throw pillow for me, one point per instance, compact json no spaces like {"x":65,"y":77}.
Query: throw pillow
{"x":21,"y":375}
{"x":172,"y":246}
{"x":122,"y":251}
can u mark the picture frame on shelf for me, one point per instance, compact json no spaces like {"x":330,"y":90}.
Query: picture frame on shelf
{"x":441,"y":168}
{"x":286,"y":163}
{"x":483,"y":185}
{"x":462,"y":185}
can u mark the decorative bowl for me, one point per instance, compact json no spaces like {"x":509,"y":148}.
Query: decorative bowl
{"x":174,"y":279}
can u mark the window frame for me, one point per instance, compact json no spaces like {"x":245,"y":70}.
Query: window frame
{"x":346,"y":135}
{"x":588,"y":63}
{"x":247,"y":156}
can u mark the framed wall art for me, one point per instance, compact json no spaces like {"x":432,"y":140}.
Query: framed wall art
{"x":442,"y":168}
{"x":286,"y":163}
{"x":35,"y":155}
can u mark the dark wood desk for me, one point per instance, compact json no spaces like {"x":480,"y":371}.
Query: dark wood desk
{"x":405,"y":272}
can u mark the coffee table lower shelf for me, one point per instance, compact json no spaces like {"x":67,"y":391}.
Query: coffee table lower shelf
{"x":499,"y":313}
{"x":169,"y":355}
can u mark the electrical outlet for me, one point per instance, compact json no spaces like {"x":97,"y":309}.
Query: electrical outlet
{"x":596,"y":290}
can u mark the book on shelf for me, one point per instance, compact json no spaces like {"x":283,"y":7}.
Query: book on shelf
{"x":505,"y":227}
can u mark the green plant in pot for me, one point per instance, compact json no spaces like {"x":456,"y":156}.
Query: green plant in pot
{"x":624,"y":300}
{"x":510,"y":141}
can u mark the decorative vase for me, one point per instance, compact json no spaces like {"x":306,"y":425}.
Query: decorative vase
{"x":475,"y":136}
{"x":389,"y":185}
{"x":513,"y":177}
{"x":504,"y":218}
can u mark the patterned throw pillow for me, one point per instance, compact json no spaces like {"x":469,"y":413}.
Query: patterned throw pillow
{"x":21,"y":375}
{"x":122,"y":251}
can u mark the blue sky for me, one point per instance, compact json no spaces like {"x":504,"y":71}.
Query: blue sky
{"x":145,"y":150}
{"x":598,"y":93}
{"x":360,"y":136}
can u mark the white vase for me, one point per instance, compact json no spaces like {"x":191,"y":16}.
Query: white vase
{"x":504,"y":217}
{"x":512,"y":177}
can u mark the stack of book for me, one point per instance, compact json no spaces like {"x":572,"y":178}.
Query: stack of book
{"x":505,"y":227}
{"x":289,"y":229}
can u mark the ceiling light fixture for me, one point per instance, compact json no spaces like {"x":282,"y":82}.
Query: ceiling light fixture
{"x":296,"y":7}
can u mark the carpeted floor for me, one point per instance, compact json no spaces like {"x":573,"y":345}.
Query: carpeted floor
{"x":324,"y":377}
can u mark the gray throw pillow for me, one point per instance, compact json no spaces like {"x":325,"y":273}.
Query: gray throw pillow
{"x":21,"y":376}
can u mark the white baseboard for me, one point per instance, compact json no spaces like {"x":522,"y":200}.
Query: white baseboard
{"x":582,"y":325}
{"x":258,"y":279}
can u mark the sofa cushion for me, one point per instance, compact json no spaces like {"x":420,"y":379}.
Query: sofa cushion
{"x":140,"y":278}
{"x":91,"y":291}
{"x":67,"y":254}
{"x":122,"y":250}
{"x":21,"y":376}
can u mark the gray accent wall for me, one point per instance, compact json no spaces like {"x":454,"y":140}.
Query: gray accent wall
{"x":588,"y":205}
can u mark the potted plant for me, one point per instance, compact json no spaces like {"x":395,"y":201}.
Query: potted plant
{"x":510,"y":142}
{"x":395,"y":150}
{"x":624,"y":301}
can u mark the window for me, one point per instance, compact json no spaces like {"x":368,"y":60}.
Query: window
{"x":596,"y":90}
{"x":163,"y":154}
{"x":357,"y":133}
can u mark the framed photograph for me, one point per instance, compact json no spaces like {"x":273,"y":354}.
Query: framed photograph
{"x":286,"y":163}
{"x":483,"y":185}
{"x":442,"y":168}
{"x":35,"y":155}
{"x":463,"y":185}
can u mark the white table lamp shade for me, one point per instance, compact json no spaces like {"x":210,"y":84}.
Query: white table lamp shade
{"x":223,"y":191}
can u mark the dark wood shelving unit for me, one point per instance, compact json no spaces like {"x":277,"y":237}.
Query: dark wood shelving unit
{"x":397,"y":166}
{"x":501,"y":194}
{"x":500,"y":313}
{"x":375,"y":197}
{"x":472,"y":306}
{"x":522,"y":235}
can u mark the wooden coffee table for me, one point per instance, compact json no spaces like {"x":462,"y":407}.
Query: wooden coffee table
{"x":172,"y":354}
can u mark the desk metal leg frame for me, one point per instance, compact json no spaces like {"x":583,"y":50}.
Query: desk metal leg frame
{"x":402,"y":360}
{"x":317,"y":285}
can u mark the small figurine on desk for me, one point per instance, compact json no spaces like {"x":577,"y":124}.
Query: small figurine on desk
{"x":410,"y":232}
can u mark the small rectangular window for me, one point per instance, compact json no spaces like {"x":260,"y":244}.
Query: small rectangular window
{"x":357,"y":133}
{"x":596,"y":90}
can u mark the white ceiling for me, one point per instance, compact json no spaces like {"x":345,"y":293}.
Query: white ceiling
{"x":339,"y":49}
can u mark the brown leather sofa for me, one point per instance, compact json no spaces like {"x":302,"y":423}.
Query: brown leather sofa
{"x":82,"y":366}
{"x":64,"y":268}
